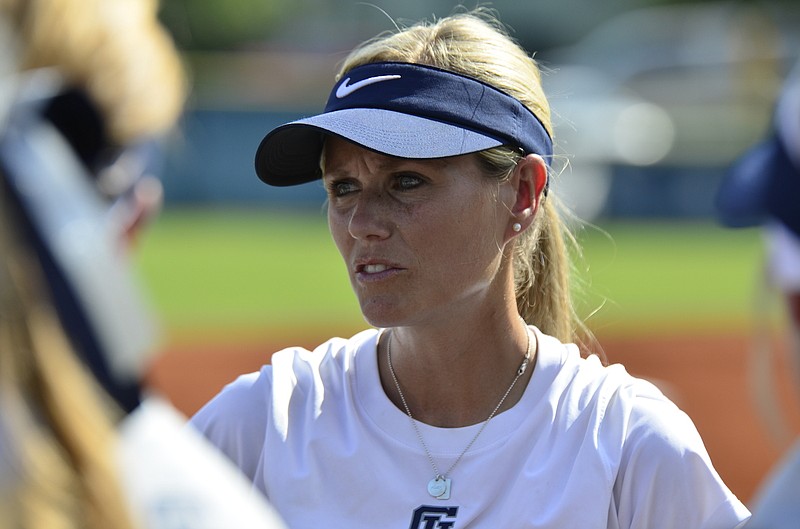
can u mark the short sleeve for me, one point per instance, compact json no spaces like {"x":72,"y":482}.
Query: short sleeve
{"x":666,"y":478}
{"x":235,"y":420}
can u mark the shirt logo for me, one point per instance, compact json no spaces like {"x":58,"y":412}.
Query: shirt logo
{"x":345,"y":89}
{"x":429,"y":517}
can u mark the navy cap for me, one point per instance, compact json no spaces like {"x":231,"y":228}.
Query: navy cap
{"x":764,"y":183}
{"x":404,"y":110}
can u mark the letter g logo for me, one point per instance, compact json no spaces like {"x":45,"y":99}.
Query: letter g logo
{"x":429,"y":517}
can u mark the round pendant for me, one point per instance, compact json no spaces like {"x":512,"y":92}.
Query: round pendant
{"x":438,"y":487}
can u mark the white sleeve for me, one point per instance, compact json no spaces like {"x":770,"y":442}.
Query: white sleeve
{"x":235,"y":420}
{"x":666,"y":479}
{"x":174,"y":478}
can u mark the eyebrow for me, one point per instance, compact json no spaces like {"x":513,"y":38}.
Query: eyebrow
{"x":388,"y":163}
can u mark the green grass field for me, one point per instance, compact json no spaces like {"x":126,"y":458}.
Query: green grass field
{"x":237,"y":271}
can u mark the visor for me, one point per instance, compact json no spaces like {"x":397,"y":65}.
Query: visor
{"x":404,"y":110}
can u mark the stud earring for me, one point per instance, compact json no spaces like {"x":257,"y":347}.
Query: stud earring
{"x":516,"y":226}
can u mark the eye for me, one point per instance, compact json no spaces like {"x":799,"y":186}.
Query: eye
{"x":408,"y":181}
{"x":340,"y":188}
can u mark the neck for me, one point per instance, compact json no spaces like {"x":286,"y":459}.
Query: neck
{"x":456,"y":379}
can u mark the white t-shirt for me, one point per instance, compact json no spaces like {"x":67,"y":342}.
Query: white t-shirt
{"x":587,"y":446}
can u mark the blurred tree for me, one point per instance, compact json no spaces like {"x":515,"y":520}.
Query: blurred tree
{"x":222,"y":25}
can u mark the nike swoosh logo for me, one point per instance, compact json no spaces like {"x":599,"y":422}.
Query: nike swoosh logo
{"x":345,"y":89}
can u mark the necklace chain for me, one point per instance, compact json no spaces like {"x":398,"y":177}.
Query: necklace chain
{"x":439,"y":475}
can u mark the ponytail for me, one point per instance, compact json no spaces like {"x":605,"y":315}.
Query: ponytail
{"x":542,"y":275}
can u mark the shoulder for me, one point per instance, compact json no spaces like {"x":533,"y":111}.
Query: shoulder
{"x":306,"y":381}
{"x":290,"y":368}
{"x":586,"y":384}
{"x":663,"y":456}
{"x":234,"y":421}
{"x":627,"y":415}
{"x":630,"y":411}
{"x":329,"y":359}
{"x":296,"y":377}
{"x":652,"y":447}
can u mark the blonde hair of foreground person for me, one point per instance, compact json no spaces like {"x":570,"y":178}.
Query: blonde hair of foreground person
{"x":114,"y":49}
{"x":471,"y":44}
{"x":60,"y":424}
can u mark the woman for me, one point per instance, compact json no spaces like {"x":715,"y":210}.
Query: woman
{"x":90,"y":86}
{"x":76,"y":99}
{"x":462,"y":408}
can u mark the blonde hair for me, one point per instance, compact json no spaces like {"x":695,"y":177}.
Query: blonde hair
{"x":475,"y":44}
{"x":116,"y":50}
{"x":61,"y":424}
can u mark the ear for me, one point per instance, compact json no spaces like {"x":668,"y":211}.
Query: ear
{"x":529,"y":180}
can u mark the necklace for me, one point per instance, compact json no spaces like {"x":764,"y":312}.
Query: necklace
{"x":439,"y":486}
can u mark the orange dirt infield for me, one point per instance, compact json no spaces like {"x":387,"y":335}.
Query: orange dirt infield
{"x":707,"y":375}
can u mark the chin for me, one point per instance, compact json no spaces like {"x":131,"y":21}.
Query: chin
{"x":379,"y":321}
{"x":381,"y":315}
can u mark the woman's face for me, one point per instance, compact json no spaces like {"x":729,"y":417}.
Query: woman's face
{"x":421,"y":239}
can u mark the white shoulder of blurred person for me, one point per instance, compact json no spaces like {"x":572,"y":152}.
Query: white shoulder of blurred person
{"x":82,"y":442}
{"x":763,"y":188}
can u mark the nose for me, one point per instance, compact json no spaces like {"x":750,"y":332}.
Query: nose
{"x":369,"y":217}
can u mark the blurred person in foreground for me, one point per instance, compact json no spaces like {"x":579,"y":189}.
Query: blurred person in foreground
{"x":763,"y":188}
{"x":87,"y":90}
{"x":468,"y":404}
